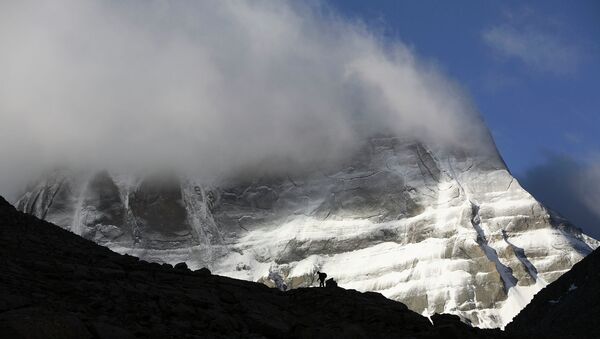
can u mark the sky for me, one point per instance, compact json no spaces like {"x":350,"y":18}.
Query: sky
{"x":206,"y":86}
{"x":533,"y":70}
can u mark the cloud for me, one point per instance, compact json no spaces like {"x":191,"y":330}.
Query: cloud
{"x":538,"y":47}
{"x":214,"y":87}
{"x":570,"y":187}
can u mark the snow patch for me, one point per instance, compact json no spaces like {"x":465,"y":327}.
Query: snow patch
{"x":518,"y":298}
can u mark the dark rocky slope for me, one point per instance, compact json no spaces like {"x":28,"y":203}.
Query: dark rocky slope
{"x":567,"y":308}
{"x":55,"y":284}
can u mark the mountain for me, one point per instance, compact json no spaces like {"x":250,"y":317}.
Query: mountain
{"x":567,"y":308}
{"x":55,"y":284}
{"x":443,"y":230}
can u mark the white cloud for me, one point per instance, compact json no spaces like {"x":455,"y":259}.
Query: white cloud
{"x":207,"y":86}
{"x":540,"y":49}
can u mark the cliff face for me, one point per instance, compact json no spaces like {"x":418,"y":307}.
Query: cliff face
{"x":55,"y":284}
{"x":442,"y":231}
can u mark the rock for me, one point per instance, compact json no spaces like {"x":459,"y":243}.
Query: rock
{"x":156,"y":204}
{"x":152,"y":301}
{"x":39,"y":323}
{"x":11,"y":301}
{"x":182,"y":266}
{"x":106,"y":331}
{"x":102,"y":206}
{"x":567,"y":308}
{"x":202,"y":271}
{"x":330,"y":283}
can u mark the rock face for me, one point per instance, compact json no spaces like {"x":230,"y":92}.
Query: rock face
{"x":55,"y":284}
{"x":567,"y":308}
{"x":443,"y":231}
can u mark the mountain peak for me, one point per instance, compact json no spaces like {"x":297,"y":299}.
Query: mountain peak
{"x":441,"y":230}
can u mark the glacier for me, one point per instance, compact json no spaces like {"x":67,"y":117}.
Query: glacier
{"x":442,"y":230}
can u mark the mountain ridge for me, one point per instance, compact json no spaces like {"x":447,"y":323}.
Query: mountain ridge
{"x":58,"y":285}
{"x":566,"y":308}
{"x":393,"y":218}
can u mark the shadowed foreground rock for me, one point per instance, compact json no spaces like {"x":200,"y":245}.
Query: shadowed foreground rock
{"x":567,"y":308}
{"x":55,"y":284}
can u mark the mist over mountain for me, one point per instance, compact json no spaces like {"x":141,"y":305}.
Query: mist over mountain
{"x":213,"y":88}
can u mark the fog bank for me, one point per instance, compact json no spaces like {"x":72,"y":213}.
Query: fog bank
{"x":210,"y":87}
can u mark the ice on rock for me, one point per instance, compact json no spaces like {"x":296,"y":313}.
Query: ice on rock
{"x":443,"y":231}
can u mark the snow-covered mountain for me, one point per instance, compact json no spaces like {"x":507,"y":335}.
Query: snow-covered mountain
{"x":446,"y":231}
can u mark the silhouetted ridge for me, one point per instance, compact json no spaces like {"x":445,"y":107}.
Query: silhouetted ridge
{"x":55,"y":284}
{"x":567,"y":308}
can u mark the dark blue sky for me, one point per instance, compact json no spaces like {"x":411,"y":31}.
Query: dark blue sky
{"x":533,"y":70}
